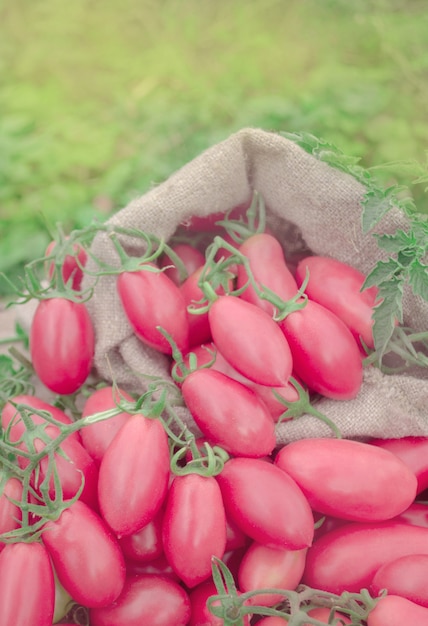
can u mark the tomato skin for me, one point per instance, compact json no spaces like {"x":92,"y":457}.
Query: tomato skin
{"x":151,"y":299}
{"x":416,"y":514}
{"x":10,"y":513}
{"x":205,"y":353}
{"x":263,"y":567}
{"x":27,"y":590}
{"x":97,"y":437}
{"x":87,"y":558}
{"x":145,"y":544}
{"x":146,"y":599}
{"x":62,"y":343}
{"x":337,"y":286}
{"x":266,"y":504}
{"x":159,"y":566}
{"x":413,"y":451}
{"x":394,"y":610}
{"x":347,"y":558}
{"x":269,"y":269}
{"x":250,"y":340}
{"x":325,"y":354}
{"x":191,"y":257}
{"x":229,"y":414}
{"x":140,"y":449}
{"x":194,"y":527}
{"x":349,"y":479}
{"x":405,"y":577}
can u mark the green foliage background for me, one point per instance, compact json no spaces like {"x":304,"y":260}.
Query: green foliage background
{"x":101,"y":99}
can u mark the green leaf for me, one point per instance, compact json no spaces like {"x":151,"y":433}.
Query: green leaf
{"x":396,"y":242}
{"x":376,"y":204}
{"x":387,"y":313}
{"x":418,"y":279}
{"x":382,"y":272}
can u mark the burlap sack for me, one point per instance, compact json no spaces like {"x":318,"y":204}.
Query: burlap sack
{"x":308,"y":204}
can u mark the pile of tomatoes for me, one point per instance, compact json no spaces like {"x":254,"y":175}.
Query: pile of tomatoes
{"x":125,"y":514}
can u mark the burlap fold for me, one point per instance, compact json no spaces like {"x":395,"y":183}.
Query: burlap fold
{"x":308,"y":204}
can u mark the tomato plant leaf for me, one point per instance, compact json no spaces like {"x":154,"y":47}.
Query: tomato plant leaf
{"x":387,"y":312}
{"x":418,"y":278}
{"x":407,"y":249}
{"x":397,"y":242}
{"x":383,"y":271}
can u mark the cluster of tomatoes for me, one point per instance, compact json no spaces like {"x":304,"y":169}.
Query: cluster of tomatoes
{"x":234,"y":526}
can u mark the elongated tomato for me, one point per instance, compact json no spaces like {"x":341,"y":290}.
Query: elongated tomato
{"x":62,"y":343}
{"x":413,"y":451}
{"x":250,"y":340}
{"x":347,"y":558}
{"x":263,"y":567}
{"x":146,"y":600}
{"x":269,"y":269}
{"x":393,"y":610}
{"x":337,"y":286}
{"x":349,"y":479}
{"x":27,"y":591}
{"x":229,"y":414}
{"x":134,"y":474}
{"x":266,"y":504}
{"x":194,"y":527}
{"x":405,"y":576}
{"x":325,"y":354}
{"x":151,"y":299}
{"x":97,"y":437}
{"x":87,"y":558}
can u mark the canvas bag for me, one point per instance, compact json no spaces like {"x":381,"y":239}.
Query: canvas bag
{"x":310,"y":206}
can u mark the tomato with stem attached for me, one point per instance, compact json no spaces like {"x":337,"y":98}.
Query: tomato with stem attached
{"x":189,"y":255}
{"x":62,"y":344}
{"x":86,"y":555}
{"x":27,"y":590}
{"x":229,"y":414}
{"x":97,"y":437}
{"x":194,"y":527}
{"x":250,"y":340}
{"x":134,"y":475}
{"x":338,"y":287}
{"x":266,"y":503}
{"x":71,"y":266}
{"x":269,"y":270}
{"x":151,"y":299}
{"x":325,"y":354}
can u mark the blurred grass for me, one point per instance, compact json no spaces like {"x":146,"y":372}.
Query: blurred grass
{"x":100,"y":100}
